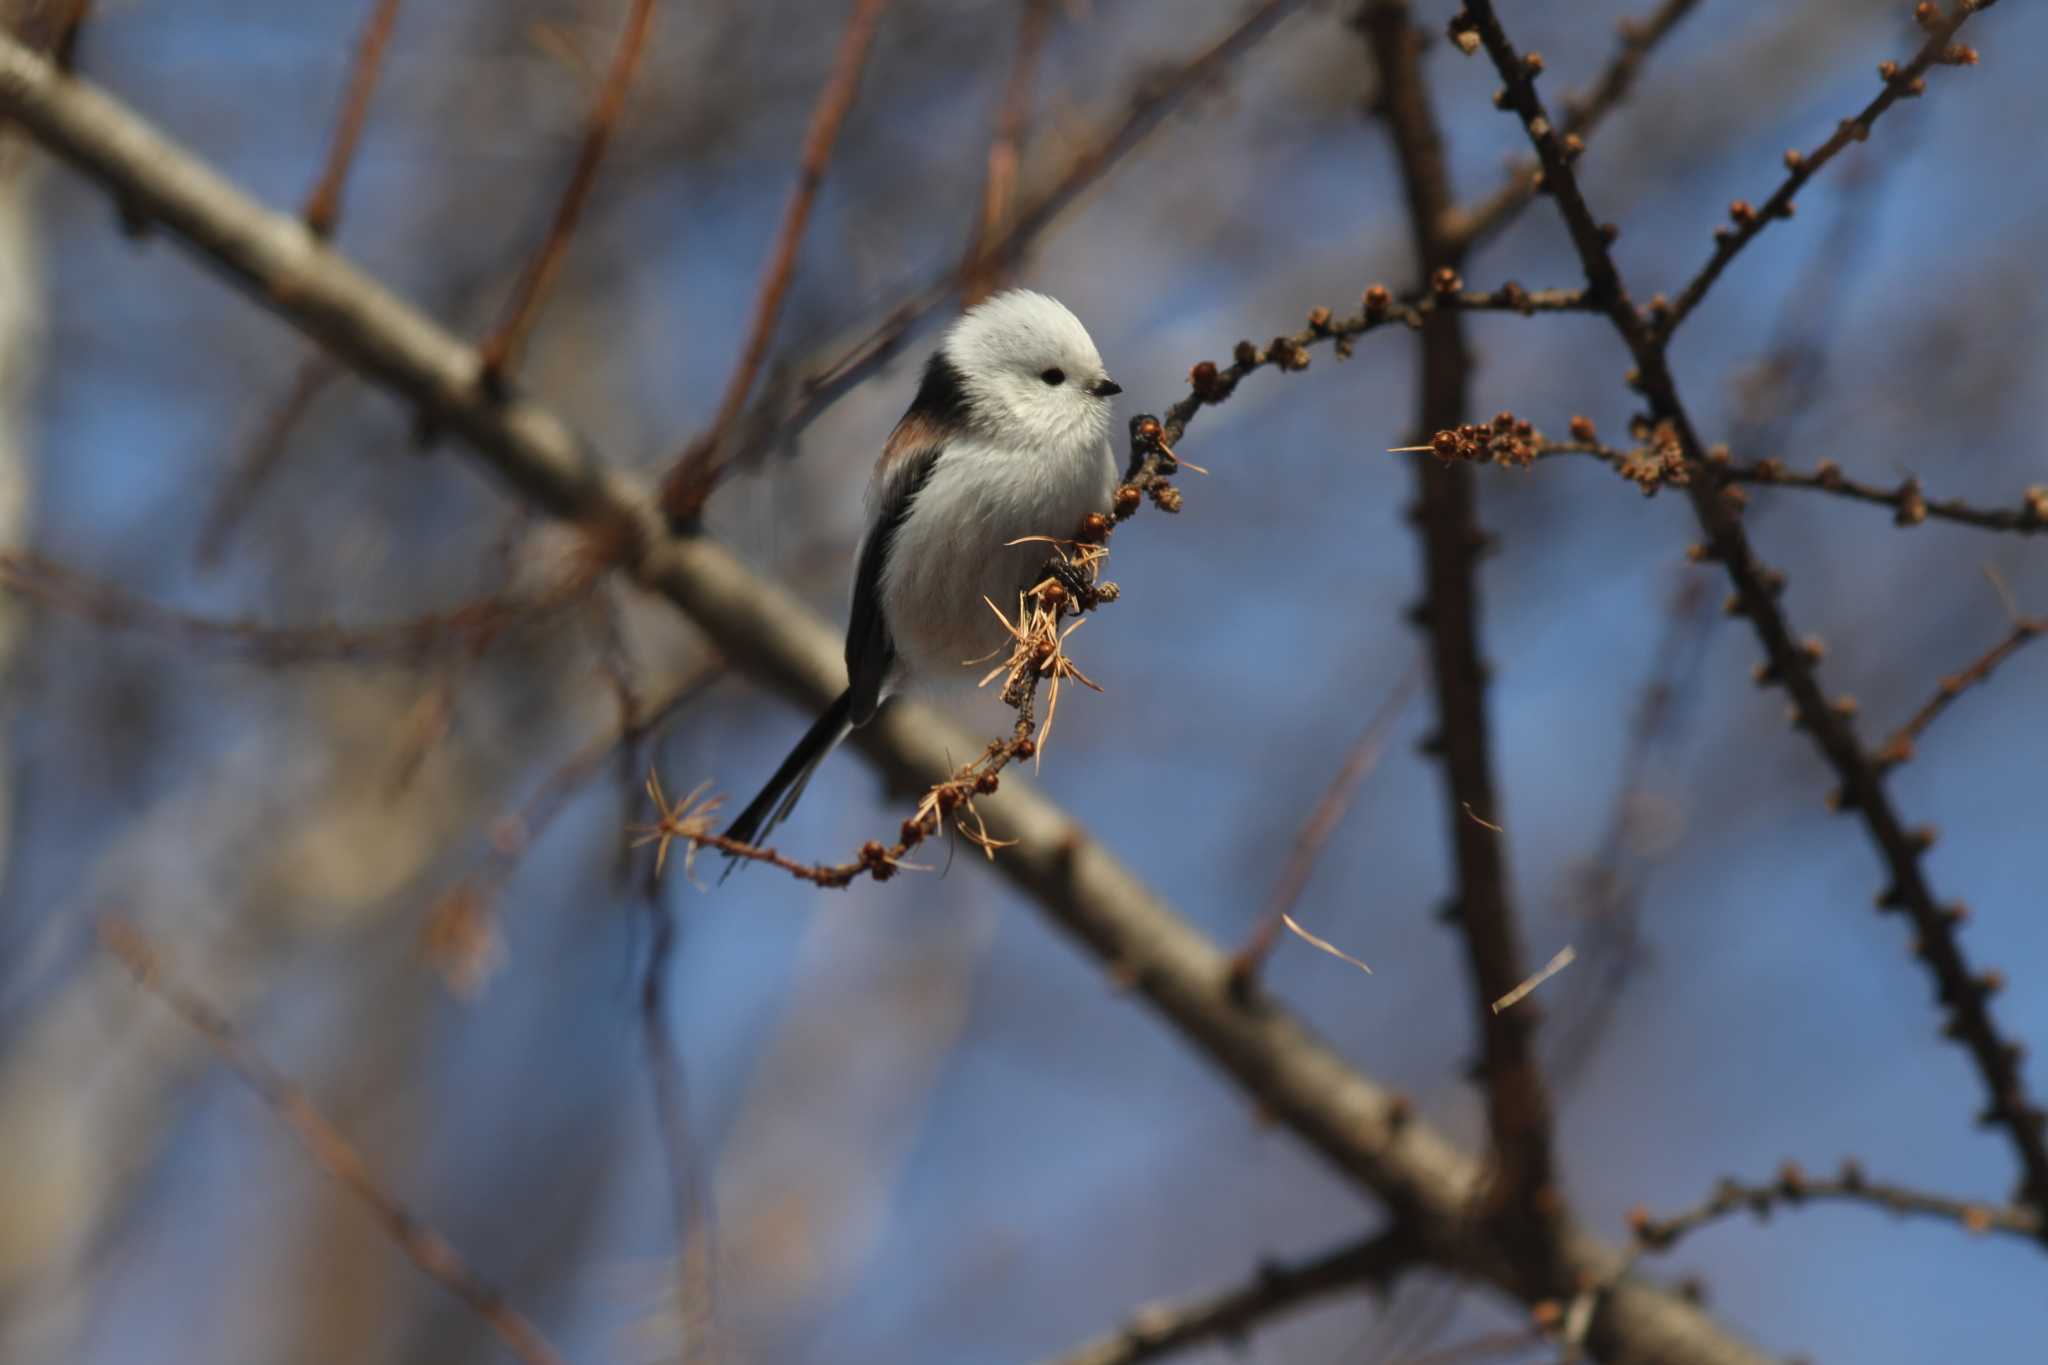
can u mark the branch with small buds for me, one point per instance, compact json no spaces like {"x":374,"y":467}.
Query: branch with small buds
{"x":1900,"y":82}
{"x":1961,"y":992}
{"x":1161,"y":1329}
{"x":1899,"y":748}
{"x":1910,"y":505}
{"x":1793,"y":1188}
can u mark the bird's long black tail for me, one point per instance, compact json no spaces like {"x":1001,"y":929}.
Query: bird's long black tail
{"x":778,"y":798}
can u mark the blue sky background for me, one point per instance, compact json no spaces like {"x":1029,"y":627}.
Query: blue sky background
{"x":935,"y":1132}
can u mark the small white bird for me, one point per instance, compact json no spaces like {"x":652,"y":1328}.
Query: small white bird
{"x":1007,"y":437}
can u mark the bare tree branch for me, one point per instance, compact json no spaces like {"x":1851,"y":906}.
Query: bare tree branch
{"x":426,"y":1248}
{"x":1364,"y":1131}
{"x":1161,"y":1329}
{"x":1446,"y":516}
{"x":696,"y":469}
{"x":323,"y":204}
{"x":1793,"y":1188}
{"x":1963,"y":992}
{"x":501,"y":349}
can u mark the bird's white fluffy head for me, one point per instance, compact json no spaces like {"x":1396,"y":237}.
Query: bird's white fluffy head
{"x":1030,"y":372}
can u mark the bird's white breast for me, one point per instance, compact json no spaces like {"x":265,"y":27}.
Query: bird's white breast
{"x":953,"y":549}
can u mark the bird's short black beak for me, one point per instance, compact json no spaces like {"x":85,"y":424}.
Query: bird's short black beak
{"x":1105,"y":387}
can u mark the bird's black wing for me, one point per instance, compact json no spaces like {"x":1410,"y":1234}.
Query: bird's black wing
{"x":870,"y":649}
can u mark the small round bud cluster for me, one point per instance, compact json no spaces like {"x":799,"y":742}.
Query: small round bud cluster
{"x":1377,"y":301}
{"x":1319,"y":319}
{"x":1127,"y":499}
{"x":1288,"y":353}
{"x":1165,"y":496}
{"x":1446,"y":281}
{"x":1583,"y":430}
{"x":1464,"y":33}
{"x":1094,"y":529}
{"x":1742,"y":214}
{"x":1245,"y":354}
{"x":1024,"y":747}
{"x":1506,"y":440}
{"x":986,"y":783}
{"x":1208,"y":383}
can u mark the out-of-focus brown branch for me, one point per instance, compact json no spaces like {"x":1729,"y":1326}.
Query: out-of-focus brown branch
{"x":252,"y":468}
{"x":1793,"y":1188}
{"x":1525,"y":1198}
{"x":1161,"y":1329}
{"x":1963,"y":992}
{"x":323,"y":204}
{"x":697,"y":468}
{"x":501,"y":349}
{"x":426,"y":1248}
{"x":1899,"y":748}
{"x":774,"y":419}
{"x":1322,"y":822}
{"x":1368,"y":1134}
{"x":474,"y":626}
{"x":1468,"y":227}
{"x":979,"y":275}
{"x":1900,"y":82}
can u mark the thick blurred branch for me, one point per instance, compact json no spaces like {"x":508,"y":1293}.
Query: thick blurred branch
{"x":426,"y":1248}
{"x":1962,"y":991}
{"x":697,"y":468}
{"x":1363,"y":1130}
{"x":1161,"y":1329}
{"x":1445,"y":514}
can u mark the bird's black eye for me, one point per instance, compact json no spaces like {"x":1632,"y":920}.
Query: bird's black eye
{"x":1054,"y":376}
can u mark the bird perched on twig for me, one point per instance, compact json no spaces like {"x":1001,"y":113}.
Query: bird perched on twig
{"x":1007,"y":437}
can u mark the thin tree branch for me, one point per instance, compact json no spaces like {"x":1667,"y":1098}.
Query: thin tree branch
{"x":697,"y":468}
{"x":426,"y":1248}
{"x":1360,"y":1128}
{"x":473,"y":626}
{"x":1445,"y":514}
{"x":323,"y":204}
{"x":501,"y":349}
{"x":773,"y":419}
{"x":1899,"y":748}
{"x":980,"y":276}
{"x":1961,"y":991}
{"x":1909,"y":504}
{"x":1905,"y":82}
{"x":1162,"y":1329}
{"x":252,"y":468}
{"x":1467,"y":228}
{"x":1793,"y":1188}
{"x":1315,"y":832}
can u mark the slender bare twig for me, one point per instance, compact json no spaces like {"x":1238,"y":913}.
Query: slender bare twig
{"x":1161,"y":1329}
{"x":1315,"y":832}
{"x":1445,"y":514}
{"x":1963,"y":992}
{"x":1899,"y":748}
{"x":323,"y":203}
{"x":1467,"y":228}
{"x":980,"y":276}
{"x":501,"y":349}
{"x":1366,"y":1133}
{"x":1900,"y":82}
{"x":696,"y":469}
{"x":775,"y":419}
{"x":252,"y":468}
{"x":426,"y":1248}
{"x":1793,"y":1188}
{"x":472,"y":626}
{"x":1910,"y":506}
